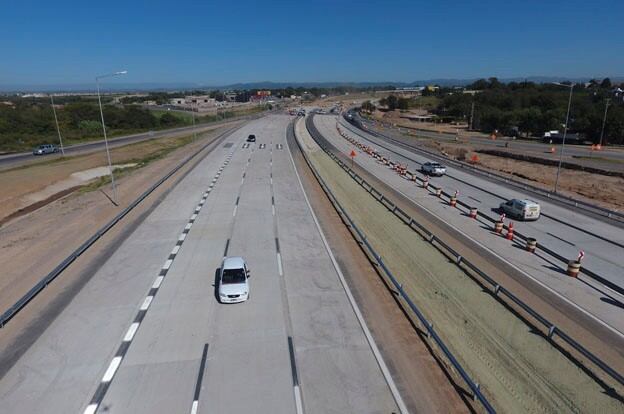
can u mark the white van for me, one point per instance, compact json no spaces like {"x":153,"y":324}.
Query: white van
{"x":521,"y":209}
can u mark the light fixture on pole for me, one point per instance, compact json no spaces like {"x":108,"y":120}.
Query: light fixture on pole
{"x":565,"y":130}
{"x":58,"y":130}
{"x":110,"y":166}
{"x":604,"y":120}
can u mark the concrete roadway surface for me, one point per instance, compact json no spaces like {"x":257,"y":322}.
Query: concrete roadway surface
{"x":609,"y":158}
{"x":606,"y":259}
{"x":147,"y":335}
{"x":15,"y":160}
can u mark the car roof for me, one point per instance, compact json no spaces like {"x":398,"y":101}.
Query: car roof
{"x":524,"y":201}
{"x":235,"y":262}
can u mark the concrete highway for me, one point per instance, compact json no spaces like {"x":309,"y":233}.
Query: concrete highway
{"x":603,"y":255}
{"x":17,"y":159}
{"x":146,"y":334}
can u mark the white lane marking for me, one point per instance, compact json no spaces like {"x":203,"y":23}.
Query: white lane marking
{"x":234,"y":212}
{"x":273,"y":209}
{"x":91,"y":408}
{"x":157,"y":282}
{"x":131,"y":331}
{"x":194,"y":216}
{"x":298,"y":403}
{"x":271,"y":180}
{"x":175,"y":250}
{"x":210,"y":186}
{"x":201,"y":202}
{"x":112,"y":368}
{"x":279,"y":264}
{"x":167,"y":264}
{"x":371,"y":341}
{"x":194,"y":407}
{"x":188,"y":226}
{"x":197,"y":209}
{"x":146,"y":303}
{"x":182,"y":237}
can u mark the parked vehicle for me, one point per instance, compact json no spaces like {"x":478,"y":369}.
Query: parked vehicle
{"x":433,"y":168}
{"x":251,"y":138}
{"x":521,"y":209}
{"x":233,"y":280}
{"x":45,"y":149}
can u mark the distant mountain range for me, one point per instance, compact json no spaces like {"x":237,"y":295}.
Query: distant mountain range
{"x":179,"y":86}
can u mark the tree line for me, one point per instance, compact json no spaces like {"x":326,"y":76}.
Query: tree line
{"x":27,"y":124}
{"x":531,"y":109}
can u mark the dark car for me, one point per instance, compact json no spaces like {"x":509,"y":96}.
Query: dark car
{"x":251,"y":138}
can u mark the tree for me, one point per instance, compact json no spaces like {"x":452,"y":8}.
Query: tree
{"x":393,"y":102}
{"x":403,"y":103}
{"x":606,"y":83}
{"x":368,"y":107}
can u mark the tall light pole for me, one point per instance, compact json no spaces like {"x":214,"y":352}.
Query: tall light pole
{"x":58,"y":130}
{"x":565,"y":130}
{"x":110,"y":166}
{"x":604,"y":121}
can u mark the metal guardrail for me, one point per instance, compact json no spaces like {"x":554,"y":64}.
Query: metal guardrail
{"x":570,"y":201}
{"x":47,"y":279}
{"x":496,"y":290}
{"x":584,"y":270}
{"x":474,"y":386}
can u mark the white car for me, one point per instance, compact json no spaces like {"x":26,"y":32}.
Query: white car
{"x":233,"y":280}
{"x":521,"y":209}
{"x":433,"y":168}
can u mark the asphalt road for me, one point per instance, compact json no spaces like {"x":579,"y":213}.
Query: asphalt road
{"x":15,"y":160}
{"x":610,"y":159}
{"x":603,"y":257}
{"x":147,"y":335}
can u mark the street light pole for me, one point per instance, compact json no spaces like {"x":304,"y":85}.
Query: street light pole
{"x":565,"y":132}
{"x":110,"y":166}
{"x":58,"y":130}
{"x":604,"y":120}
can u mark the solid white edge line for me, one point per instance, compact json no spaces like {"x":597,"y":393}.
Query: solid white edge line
{"x":279,"y":264}
{"x":112,"y":368}
{"x":146,"y":303}
{"x":157,"y":282}
{"x":167,"y":264}
{"x":194,"y":407}
{"x":91,"y":409}
{"x":551,"y":290}
{"x":298,"y":403}
{"x":369,"y":337}
{"x":131,"y":331}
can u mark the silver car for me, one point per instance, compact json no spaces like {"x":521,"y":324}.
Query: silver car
{"x":433,"y":168}
{"x":45,"y":149}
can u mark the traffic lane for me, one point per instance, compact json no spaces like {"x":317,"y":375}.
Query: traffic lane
{"x":601,"y":257}
{"x":338,"y":371}
{"x":537,"y":266}
{"x":13,"y":160}
{"x":160,"y":369}
{"x":65,"y":364}
{"x":249,"y":366}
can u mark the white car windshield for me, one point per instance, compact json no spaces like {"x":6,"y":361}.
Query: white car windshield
{"x":232,"y":276}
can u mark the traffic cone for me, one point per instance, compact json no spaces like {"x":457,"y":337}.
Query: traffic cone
{"x":510,"y":231}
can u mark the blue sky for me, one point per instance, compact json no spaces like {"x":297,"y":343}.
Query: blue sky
{"x":221,"y":42}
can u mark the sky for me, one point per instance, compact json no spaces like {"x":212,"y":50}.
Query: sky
{"x":223,"y":42}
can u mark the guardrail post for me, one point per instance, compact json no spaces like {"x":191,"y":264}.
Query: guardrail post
{"x":551,"y":331}
{"x":459,"y":259}
{"x":474,"y":394}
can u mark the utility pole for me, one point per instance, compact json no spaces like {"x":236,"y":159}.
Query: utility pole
{"x":58,"y":130}
{"x":604,"y":120}
{"x":472,"y":113}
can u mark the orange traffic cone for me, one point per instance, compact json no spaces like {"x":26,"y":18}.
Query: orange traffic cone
{"x":510,"y":231}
